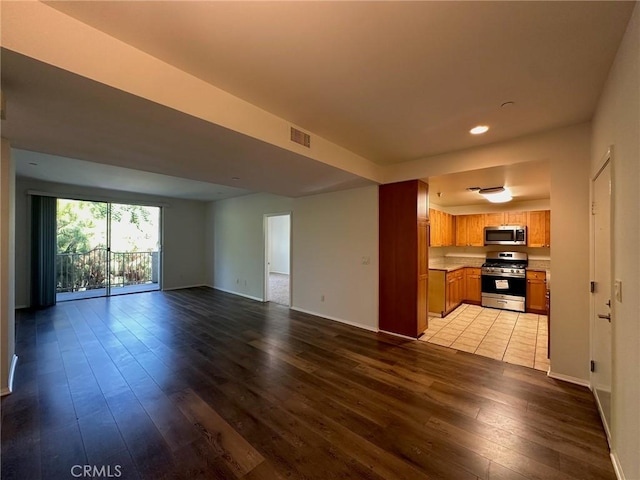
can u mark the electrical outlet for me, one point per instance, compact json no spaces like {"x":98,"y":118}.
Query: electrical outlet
{"x":617,"y":290}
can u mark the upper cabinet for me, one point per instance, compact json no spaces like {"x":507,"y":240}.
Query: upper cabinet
{"x":515,"y":218}
{"x":495,"y":219}
{"x":442,"y":230}
{"x":470,"y":230}
{"x":539,"y":228}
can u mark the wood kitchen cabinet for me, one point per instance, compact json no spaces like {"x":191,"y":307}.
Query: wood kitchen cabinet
{"x":539,"y":228}
{"x":473,"y":285}
{"x":449,"y":238}
{"x":470,"y":230}
{"x":536,"y":301}
{"x":404,"y":257}
{"x":496,"y":219}
{"x":435,"y":228}
{"x":515,"y":218}
{"x":441,"y":228}
{"x":446,"y":290}
{"x":455,"y":289}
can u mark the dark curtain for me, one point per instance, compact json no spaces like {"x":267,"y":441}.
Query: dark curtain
{"x":43,"y":251}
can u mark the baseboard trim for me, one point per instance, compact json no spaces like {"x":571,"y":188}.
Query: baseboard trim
{"x":605,"y":425}
{"x":21,"y":307}
{"x":335,"y":319}
{"x":398,"y":335}
{"x":616,"y":466}
{"x":12,"y":371}
{"x":567,"y":378}
{"x":182,"y":288}
{"x":251,"y":297}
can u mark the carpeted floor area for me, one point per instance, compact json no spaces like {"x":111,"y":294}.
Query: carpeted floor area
{"x":279,"y":288}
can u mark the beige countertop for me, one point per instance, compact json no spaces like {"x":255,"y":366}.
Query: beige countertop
{"x":449,"y":264}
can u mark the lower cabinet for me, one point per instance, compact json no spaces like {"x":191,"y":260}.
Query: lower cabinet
{"x":473,"y":284}
{"x":536,"y":301}
{"x":447,"y":290}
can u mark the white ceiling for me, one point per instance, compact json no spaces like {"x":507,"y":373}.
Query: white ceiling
{"x":51,"y":168}
{"x":391,"y":81}
{"x":527,"y":181}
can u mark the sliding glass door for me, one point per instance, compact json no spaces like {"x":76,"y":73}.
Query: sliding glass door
{"x":106,"y":249}
{"x":135,"y":249}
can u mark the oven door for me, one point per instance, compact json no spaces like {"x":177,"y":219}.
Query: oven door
{"x":503,"y":291}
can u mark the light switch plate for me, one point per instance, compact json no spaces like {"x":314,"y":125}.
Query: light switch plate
{"x":617,"y":290}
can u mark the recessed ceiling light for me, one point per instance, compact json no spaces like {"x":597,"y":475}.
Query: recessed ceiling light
{"x":235,"y":178}
{"x":508,"y":104}
{"x":479,"y":130}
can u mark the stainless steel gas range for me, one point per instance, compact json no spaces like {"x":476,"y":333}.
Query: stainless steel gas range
{"x":504,"y":282}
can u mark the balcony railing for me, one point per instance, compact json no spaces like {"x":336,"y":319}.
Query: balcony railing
{"x":77,"y":272}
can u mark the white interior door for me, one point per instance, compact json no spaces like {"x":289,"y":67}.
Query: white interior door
{"x":601,"y":322}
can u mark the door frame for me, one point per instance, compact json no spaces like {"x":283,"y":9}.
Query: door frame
{"x":265,"y":290}
{"x":606,"y":160}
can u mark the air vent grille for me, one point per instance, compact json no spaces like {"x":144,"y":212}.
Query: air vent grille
{"x":302,"y":138}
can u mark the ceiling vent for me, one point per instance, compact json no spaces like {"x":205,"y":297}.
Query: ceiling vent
{"x":302,"y":138}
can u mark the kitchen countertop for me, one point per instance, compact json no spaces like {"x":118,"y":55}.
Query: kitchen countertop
{"x":453,"y":263}
{"x":449,"y":264}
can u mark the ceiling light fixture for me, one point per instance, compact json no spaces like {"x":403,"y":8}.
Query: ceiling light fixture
{"x":496,"y":194}
{"x":479,"y":130}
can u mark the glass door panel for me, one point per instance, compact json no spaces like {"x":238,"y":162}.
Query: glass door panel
{"x":134,"y":249}
{"x":81,"y":256}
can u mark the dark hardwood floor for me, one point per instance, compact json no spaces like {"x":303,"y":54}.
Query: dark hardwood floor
{"x":201,"y":384}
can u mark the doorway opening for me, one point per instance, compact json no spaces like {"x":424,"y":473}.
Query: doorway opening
{"x":278,"y":259}
{"x":106,"y":249}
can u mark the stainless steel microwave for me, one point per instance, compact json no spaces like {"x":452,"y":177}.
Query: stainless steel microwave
{"x":505,"y":235}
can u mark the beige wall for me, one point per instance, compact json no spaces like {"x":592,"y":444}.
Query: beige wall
{"x":7,"y":266}
{"x":330,"y":235}
{"x":237,"y":241}
{"x":569,"y":334}
{"x":617,"y":124}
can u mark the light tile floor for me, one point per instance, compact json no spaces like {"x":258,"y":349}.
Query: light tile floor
{"x":518,"y":338}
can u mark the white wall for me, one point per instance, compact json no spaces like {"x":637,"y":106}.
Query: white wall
{"x":570,"y":297}
{"x":7,"y":266}
{"x":279,"y":233}
{"x":617,"y":123}
{"x":238,"y":241}
{"x":183,"y":233}
{"x":330,"y":235}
